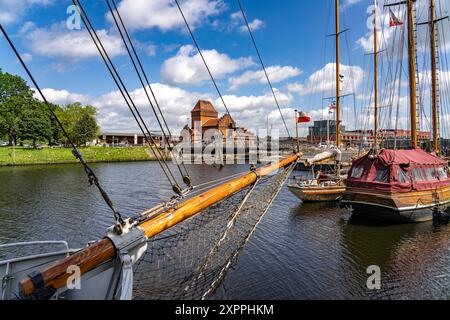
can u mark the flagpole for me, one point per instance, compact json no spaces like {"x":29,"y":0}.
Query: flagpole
{"x":297,"y":131}
{"x":328,"y":129}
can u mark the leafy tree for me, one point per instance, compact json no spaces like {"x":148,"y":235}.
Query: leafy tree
{"x":79,"y":121}
{"x":85,"y":130}
{"x":54,"y":127}
{"x":15,"y":96}
{"x":34,"y":123}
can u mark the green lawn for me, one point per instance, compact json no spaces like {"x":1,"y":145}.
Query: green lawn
{"x":26,"y":156}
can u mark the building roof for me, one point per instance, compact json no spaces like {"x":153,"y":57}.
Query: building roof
{"x":203,"y":105}
{"x":129,"y":134}
{"x":211,"y":123}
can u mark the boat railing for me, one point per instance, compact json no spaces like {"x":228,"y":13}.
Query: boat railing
{"x":12,"y":270}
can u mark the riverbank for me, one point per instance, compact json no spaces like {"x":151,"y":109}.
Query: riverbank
{"x":20,"y":156}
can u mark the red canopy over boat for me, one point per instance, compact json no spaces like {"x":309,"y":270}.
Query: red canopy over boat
{"x":412,"y":156}
{"x":399,"y":170}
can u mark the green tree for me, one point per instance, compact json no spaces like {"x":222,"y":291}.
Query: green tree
{"x":15,"y":96}
{"x":79,"y":121}
{"x":54,"y":127}
{"x":34,"y":123}
{"x":85,"y":130}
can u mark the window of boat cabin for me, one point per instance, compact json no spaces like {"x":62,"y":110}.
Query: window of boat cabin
{"x":418,"y":174}
{"x":382,"y":175}
{"x":425,"y":174}
{"x":403,"y":176}
{"x":430,"y":174}
{"x":357,"y":172}
{"x":442,"y":173}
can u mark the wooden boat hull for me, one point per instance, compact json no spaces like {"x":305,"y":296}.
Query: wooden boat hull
{"x":318,"y":194}
{"x":414,"y":206}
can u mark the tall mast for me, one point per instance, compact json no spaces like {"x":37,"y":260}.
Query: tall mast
{"x":338,"y":79}
{"x":434,"y":76}
{"x":375,"y":81}
{"x":412,"y":73}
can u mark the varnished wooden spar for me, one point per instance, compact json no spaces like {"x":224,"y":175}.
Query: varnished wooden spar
{"x":89,"y":258}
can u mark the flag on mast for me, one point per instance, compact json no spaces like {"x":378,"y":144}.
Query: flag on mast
{"x":303,"y":118}
{"x":394,"y":21}
{"x":332,"y":107}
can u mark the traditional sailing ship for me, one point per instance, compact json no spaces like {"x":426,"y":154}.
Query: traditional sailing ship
{"x":326,"y":187}
{"x":231,"y":206}
{"x":402,"y":185}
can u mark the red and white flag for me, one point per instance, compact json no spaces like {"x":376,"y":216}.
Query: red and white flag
{"x":394,"y":21}
{"x":303,"y":118}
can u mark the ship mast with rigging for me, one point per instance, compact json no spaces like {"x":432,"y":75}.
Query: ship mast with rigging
{"x":412,"y":74}
{"x":338,"y":77}
{"x":434,"y":73}
{"x":375,"y":83}
{"x":434,"y":77}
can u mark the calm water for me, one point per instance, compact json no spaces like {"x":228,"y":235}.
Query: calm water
{"x":298,"y":252}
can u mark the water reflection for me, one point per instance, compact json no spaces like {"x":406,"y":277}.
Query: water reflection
{"x":299,"y":251}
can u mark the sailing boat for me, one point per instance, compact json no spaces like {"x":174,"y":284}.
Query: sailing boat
{"x":402,"y":185}
{"x":325,"y":188}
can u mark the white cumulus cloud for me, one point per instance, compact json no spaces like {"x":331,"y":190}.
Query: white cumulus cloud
{"x":12,"y":10}
{"x":187,"y":68}
{"x":61,"y":97}
{"x":57,"y":41}
{"x":164,"y":14}
{"x":276,"y":74}
{"x":324,"y":80}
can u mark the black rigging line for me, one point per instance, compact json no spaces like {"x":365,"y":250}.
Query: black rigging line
{"x":263,"y":66}
{"x":184,"y":174}
{"x":93,"y":180}
{"x":203,"y":58}
{"x":123,"y":90}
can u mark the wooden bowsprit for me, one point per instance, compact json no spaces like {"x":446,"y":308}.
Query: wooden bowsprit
{"x":56,"y":276}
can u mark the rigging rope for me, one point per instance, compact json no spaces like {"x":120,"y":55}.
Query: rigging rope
{"x":263,"y":65}
{"x":93,"y":180}
{"x":184,"y":174}
{"x":127,"y":97}
{"x":207,"y":66}
{"x":202,"y":57}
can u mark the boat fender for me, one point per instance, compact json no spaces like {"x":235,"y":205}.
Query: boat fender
{"x":132,"y":241}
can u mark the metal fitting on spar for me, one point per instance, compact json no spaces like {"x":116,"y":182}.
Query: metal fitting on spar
{"x":132,"y":241}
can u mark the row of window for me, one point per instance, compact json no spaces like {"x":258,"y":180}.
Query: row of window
{"x":418,"y":174}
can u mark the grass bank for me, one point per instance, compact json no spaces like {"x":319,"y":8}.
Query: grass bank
{"x":20,"y":156}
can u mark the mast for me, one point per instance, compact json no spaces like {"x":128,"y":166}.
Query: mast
{"x":375,"y":58}
{"x":434,"y":77}
{"x":338,"y":82}
{"x":297,"y":131}
{"x":412,"y":73}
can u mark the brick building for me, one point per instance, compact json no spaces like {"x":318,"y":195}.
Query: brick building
{"x":205,"y":117}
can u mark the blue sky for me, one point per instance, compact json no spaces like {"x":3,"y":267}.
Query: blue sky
{"x":290,"y":34}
